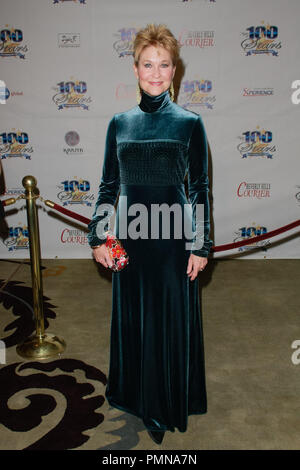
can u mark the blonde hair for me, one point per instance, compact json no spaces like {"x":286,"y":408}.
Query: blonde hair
{"x":156,"y":35}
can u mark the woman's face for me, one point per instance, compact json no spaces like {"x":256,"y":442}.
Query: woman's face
{"x":155,"y":70}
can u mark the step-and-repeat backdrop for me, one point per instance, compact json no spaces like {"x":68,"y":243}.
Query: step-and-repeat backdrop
{"x":66,"y":68}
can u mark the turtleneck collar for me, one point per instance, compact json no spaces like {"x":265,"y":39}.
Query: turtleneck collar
{"x":150,"y":104}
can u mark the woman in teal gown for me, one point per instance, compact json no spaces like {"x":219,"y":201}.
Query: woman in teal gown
{"x":157,"y":367}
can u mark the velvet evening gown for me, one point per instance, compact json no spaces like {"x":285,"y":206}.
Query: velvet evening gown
{"x":157,"y":369}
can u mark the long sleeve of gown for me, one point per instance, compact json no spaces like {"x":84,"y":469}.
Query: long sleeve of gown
{"x":198,"y":189}
{"x":108,"y":189}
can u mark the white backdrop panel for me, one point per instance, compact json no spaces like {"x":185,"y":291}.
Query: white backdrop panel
{"x":77,"y":72}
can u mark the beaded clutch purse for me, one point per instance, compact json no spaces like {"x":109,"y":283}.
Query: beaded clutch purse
{"x":117,"y":252}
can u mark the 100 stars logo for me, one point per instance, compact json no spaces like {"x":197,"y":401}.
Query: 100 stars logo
{"x":124,"y":43}
{"x":15,"y":144}
{"x":262,"y":39}
{"x":197,"y":94}
{"x":71,"y":94}
{"x":11,"y":43}
{"x":257,"y":143}
{"x":75,"y":191}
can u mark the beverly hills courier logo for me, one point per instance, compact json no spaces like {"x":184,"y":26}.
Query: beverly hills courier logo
{"x":125,"y":91}
{"x":254,"y":190}
{"x":261,"y":40}
{"x":73,"y":237}
{"x":11,"y":43}
{"x":201,"y":39}
{"x":15,"y":144}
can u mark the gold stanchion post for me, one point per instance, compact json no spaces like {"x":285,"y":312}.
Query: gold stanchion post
{"x":41,"y":345}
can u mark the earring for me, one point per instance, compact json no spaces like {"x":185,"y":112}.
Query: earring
{"x":138,"y":93}
{"x":171,"y":91}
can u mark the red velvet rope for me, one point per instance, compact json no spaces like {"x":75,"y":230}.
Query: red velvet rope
{"x":228,"y":246}
{"x":258,"y":238}
{"x":72,"y":214}
{"x":6,"y":202}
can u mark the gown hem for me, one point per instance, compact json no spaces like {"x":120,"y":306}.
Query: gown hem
{"x":152,"y":428}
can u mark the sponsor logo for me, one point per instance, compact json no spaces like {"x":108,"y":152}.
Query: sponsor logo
{"x":75,"y":191}
{"x":72,"y":140}
{"x":69,"y":40}
{"x":11,"y":43}
{"x":124,"y":43}
{"x":258,"y":91}
{"x":297,"y":195}
{"x":73,"y":1}
{"x":13,"y":191}
{"x":72,"y":94}
{"x":244,"y":233}
{"x":124,"y":91}
{"x":254,"y":190}
{"x":5,"y":93}
{"x":200,"y":39}
{"x":15,"y":144}
{"x":261,"y":39}
{"x":74,"y":237}
{"x":207,"y":1}
{"x":196,"y":93}
{"x":18,"y":238}
{"x":257,"y":143}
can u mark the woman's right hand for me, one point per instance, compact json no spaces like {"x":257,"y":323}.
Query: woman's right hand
{"x":102,"y":256}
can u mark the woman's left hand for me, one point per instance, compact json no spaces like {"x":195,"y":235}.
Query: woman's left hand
{"x":195,"y":264}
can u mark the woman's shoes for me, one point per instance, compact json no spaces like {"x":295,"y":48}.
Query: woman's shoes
{"x":156,"y":436}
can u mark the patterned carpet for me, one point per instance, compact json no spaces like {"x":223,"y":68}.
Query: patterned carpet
{"x":52,"y":404}
{"x":251,"y":321}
